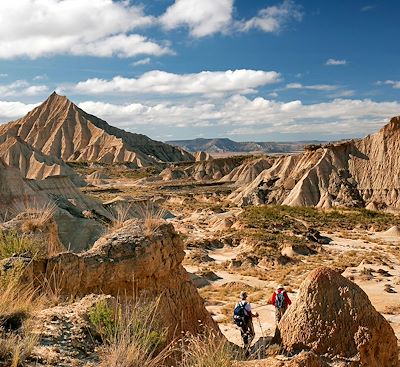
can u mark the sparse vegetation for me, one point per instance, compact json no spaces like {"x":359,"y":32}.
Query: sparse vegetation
{"x":286,"y":217}
{"x":131,"y":334}
{"x":13,"y":243}
{"x":208,"y":350}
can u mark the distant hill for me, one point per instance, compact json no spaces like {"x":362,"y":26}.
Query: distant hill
{"x":222,"y":145}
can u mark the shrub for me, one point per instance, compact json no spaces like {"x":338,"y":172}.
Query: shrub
{"x":208,"y":350}
{"x":131,"y":334}
{"x":15,"y":244}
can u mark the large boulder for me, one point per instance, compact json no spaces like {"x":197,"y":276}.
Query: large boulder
{"x":138,"y":258}
{"x":332,"y":316}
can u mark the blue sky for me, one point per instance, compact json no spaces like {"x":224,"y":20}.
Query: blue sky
{"x":178,"y":69}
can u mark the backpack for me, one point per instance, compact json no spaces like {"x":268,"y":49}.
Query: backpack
{"x":239,"y":314}
{"x":280,"y":301}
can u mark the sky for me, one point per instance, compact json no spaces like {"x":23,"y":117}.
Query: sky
{"x":248,"y":70}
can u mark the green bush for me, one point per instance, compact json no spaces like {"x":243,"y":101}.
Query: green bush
{"x":14,"y":244}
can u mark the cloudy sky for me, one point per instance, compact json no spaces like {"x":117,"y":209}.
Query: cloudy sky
{"x":179,"y":69}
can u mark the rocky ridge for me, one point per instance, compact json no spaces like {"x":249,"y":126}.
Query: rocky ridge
{"x":354,"y":174}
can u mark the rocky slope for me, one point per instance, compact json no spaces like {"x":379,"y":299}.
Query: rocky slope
{"x":248,"y":170}
{"x":59,"y":128}
{"x":33,"y":164}
{"x":353,"y":173}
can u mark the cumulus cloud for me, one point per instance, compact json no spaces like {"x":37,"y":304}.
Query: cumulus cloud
{"x":321,"y":87}
{"x":394,"y":83}
{"x":203,"y":18}
{"x":272,"y":19}
{"x":36,"y":28}
{"x":161,"y":82}
{"x":335,"y":62}
{"x":14,"y":110}
{"x":240,"y":115}
{"x":21,"y":88}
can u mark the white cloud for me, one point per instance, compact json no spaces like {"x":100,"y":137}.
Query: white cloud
{"x":240,"y":115}
{"x":394,"y":83}
{"x":3,"y":75}
{"x":335,"y":62}
{"x":320,"y":87}
{"x":161,"y":82}
{"x":145,"y":61}
{"x":36,"y":28}
{"x":274,"y":18}
{"x":203,"y":18}
{"x":21,"y":88}
{"x":14,"y":110}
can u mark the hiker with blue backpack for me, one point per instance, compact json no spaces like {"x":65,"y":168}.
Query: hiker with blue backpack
{"x":281,"y":301}
{"x":242,"y":317}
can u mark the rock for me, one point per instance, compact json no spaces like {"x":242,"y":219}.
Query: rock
{"x":332,"y":316}
{"x":350,"y":174}
{"x":393,"y":231}
{"x":127,"y":262}
{"x":202,"y":156}
{"x":65,"y":334}
{"x":32,"y":163}
{"x":247,"y":171}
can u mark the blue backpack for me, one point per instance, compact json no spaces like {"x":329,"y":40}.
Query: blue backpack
{"x":239,"y":314}
{"x":280,"y":300}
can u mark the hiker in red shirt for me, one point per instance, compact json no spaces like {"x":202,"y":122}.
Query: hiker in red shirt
{"x":281,"y":301}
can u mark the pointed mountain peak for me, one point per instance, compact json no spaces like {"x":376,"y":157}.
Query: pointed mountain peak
{"x":56,"y":97}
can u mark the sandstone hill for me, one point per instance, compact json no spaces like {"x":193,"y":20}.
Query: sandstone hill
{"x":61,"y":129}
{"x":353,"y":173}
{"x":33,"y":164}
{"x":334,"y":318}
{"x":248,"y":171}
{"x":19,"y":195}
{"x":14,"y":189}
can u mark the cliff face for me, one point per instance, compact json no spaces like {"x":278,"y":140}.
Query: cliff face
{"x":354,"y":174}
{"x":127,"y":262}
{"x":59,"y":128}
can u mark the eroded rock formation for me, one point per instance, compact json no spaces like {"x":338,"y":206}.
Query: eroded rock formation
{"x":333,"y":317}
{"x":353,"y":174}
{"x":61,"y":129}
{"x":132,"y":260}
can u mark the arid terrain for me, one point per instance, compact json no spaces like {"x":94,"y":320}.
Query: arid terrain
{"x":115,"y":247}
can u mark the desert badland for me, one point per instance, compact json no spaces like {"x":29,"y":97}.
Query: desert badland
{"x":116,"y":221}
{"x":209,"y":183}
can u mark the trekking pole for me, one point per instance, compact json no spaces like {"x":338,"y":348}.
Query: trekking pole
{"x":259,"y":323}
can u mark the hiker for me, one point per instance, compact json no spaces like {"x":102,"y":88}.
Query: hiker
{"x":281,"y":301}
{"x":242,"y":317}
